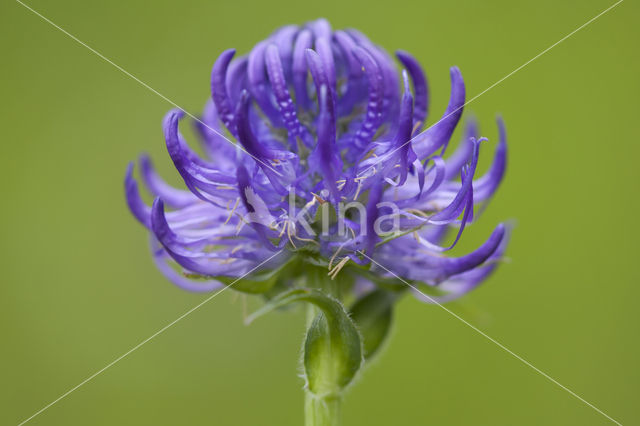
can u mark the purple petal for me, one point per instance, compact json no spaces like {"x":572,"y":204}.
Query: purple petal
{"x":162,"y":261}
{"x":452,"y":266}
{"x":489,"y":182}
{"x":347,"y":46}
{"x":316,"y":67}
{"x":452,"y":211}
{"x":200,"y":264}
{"x":258,"y":86}
{"x":420,"y":86}
{"x":219,"y":89}
{"x":284,"y":39}
{"x":387,"y":68}
{"x":405,"y":127}
{"x":354,"y":86}
{"x":195,"y":176}
{"x":245,"y":190}
{"x":299,"y":66}
{"x":439,"y":167}
{"x":323,"y":47}
{"x":324,"y":156}
{"x":279,"y":86}
{"x":236,"y":79}
{"x":371,"y":121}
{"x":464,"y":151}
{"x":321,"y":28}
{"x":438,"y":134}
{"x":137,"y":207}
{"x":158,"y":187}
{"x":371,"y":237}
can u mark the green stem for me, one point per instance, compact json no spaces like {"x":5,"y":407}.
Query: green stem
{"x":321,"y":411}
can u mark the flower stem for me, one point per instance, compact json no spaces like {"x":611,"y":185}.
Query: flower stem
{"x":319,"y":411}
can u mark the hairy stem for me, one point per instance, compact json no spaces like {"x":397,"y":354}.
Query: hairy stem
{"x":320,"y":411}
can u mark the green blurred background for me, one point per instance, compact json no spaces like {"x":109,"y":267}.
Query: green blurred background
{"x":79,"y":288}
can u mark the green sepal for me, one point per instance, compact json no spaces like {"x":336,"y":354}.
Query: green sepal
{"x":332,"y":349}
{"x":373,"y":315}
{"x":253,"y":284}
{"x":258,"y":283}
{"x":392,"y":284}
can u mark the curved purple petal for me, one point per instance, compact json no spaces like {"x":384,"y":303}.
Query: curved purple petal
{"x":162,"y":261}
{"x":159,"y":188}
{"x":219,"y":89}
{"x":420,"y":86}
{"x":138,"y":208}
{"x":371,"y":121}
{"x":299,"y":67}
{"x":487,"y":185}
{"x":285,"y":103}
{"x":439,"y":133}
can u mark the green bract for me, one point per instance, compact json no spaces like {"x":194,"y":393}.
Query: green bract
{"x":373,"y":315}
{"x":333,"y":350}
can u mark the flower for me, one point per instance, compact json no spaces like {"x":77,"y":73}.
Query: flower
{"x":324,"y":165}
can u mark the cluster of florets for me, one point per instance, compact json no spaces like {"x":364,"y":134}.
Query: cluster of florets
{"x":315,"y":155}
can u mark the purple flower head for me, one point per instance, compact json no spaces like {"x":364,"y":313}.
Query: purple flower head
{"x":315,"y":157}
